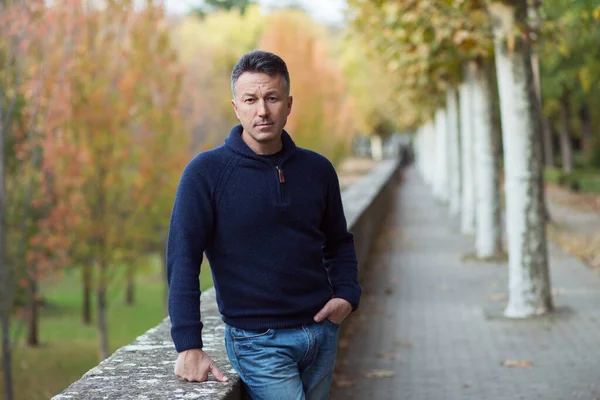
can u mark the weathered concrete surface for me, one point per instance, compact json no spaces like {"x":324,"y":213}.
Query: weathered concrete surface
{"x":430,"y":325}
{"x":144,"y":369}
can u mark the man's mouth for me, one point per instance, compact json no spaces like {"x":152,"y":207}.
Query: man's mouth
{"x":264,"y":124}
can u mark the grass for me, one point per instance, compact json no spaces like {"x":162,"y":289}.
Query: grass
{"x":69,"y":348}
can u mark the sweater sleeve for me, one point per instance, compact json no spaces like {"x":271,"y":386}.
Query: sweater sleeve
{"x":339,"y":253}
{"x":189,"y":233}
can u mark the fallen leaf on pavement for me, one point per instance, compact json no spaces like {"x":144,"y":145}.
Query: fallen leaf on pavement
{"x":380,"y":373}
{"x":344,"y":382}
{"x":498,"y":297}
{"x":406,"y":345}
{"x":516,"y":363}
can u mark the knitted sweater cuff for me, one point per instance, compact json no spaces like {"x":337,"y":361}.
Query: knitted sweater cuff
{"x":350,"y":295}
{"x":187,"y":340}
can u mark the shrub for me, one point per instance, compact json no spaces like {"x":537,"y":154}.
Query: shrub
{"x":554,"y":176}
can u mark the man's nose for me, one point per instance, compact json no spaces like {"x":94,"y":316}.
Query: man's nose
{"x":262,"y":108}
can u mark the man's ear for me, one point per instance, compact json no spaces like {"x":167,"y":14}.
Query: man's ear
{"x":290,"y":102}
{"x":235,"y":108}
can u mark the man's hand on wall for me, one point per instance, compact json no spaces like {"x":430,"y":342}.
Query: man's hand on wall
{"x":335,"y":310}
{"x":194,"y":365}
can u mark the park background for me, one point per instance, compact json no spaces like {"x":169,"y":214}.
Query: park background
{"x":102,"y":103}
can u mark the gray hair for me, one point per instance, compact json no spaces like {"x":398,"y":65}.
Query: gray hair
{"x":260,"y":61}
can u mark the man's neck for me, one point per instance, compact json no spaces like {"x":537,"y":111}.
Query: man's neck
{"x":263,"y":149}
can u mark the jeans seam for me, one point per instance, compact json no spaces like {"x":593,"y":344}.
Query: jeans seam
{"x":237,"y":357}
{"x":304,"y":359}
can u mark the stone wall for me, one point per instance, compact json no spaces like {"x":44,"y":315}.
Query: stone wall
{"x":144,"y":368}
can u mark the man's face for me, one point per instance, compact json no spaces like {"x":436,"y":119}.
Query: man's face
{"x":262,"y":105}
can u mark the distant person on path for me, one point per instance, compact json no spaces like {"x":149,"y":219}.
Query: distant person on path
{"x":269,"y":216}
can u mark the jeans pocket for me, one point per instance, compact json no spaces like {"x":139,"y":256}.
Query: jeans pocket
{"x":245,"y":334}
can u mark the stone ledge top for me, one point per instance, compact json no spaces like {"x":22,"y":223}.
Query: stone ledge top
{"x":144,"y":368}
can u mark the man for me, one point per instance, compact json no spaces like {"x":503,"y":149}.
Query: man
{"x":269,"y":217}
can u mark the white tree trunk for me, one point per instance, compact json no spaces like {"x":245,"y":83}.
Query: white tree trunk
{"x":487,"y":224}
{"x":422,"y":155}
{"x":529,"y":282}
{"x":454,"y":152}
{"x":376,"y":148}
{"x":441,"y":190}
{"x":430,"y":153}
{"x":467,"y":211}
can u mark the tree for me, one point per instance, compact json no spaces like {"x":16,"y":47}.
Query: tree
{"x":488,"y":238}
{"x":44,"y":184}
{"x":10,"y":58}
{"x":529,"y":281}
{"x":161,"y":141}
{"x":5,"y":300}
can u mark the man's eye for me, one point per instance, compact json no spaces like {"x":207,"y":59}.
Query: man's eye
{"x":272,"y":98}
{"x":249,"y":101}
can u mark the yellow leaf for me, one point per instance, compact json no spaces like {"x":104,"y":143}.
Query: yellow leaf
{"x":460,"y":36}
{"x":380,"y":374}
{"x":517,"y":363}
{"x":510,"y":42}
{"x":467,"y":44}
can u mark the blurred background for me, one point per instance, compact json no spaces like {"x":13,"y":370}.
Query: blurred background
{"x":103,"y":102}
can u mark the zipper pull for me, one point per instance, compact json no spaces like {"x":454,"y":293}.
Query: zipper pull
{"x":281,"y":176}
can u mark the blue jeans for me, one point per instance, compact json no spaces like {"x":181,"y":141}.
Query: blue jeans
{"x":284,"y":364}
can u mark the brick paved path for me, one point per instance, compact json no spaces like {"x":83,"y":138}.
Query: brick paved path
{"x":431,"y":327}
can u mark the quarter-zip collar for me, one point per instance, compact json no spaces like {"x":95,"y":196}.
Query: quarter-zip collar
{"x":235,"y":142}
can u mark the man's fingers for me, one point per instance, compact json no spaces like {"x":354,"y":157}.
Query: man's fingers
{"x":217,"y":373}
{"x":321,"y":315}
{"x":197,"y":366}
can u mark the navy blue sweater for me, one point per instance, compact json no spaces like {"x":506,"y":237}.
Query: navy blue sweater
{"x":275,"y":236}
